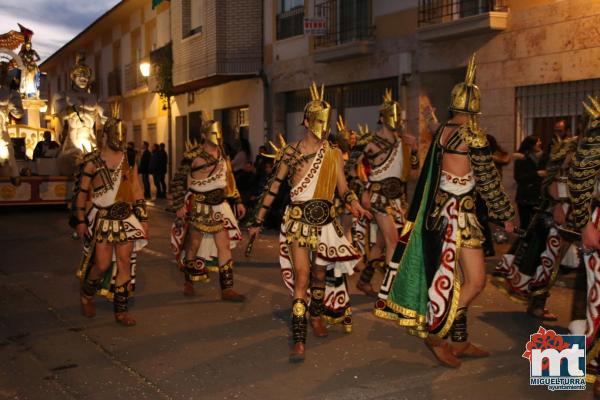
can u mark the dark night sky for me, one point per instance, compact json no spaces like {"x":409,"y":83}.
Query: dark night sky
{"x":54,"y":22}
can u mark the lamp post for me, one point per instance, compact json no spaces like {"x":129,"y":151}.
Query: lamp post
{"x":145,"y":68}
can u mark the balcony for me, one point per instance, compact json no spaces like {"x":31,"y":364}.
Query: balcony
{"x":114,"y":82}
{"x":446,"y":19}
{"x":290,"y":23}
{"x":133,"y":77}
{"x":350,"y":32}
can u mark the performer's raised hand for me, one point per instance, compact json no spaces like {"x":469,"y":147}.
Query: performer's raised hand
{"x":240,"y":210}
{"x":590,"y":237}
{"x":181,"y":213}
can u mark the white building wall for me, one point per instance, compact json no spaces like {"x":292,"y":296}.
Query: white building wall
{"x":163,"y":34}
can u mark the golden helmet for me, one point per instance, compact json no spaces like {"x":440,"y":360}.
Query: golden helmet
{"x":114,"y":129}
{"x":390,"y":112}
{"x":593,"y":111}
{"x":317,"y":112}
{"x":466,"y":97}
{"x":80,"y":68}
{"x":211,"y":130}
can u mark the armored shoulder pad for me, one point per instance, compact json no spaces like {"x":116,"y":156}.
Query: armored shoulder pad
{"x":472,"y":134}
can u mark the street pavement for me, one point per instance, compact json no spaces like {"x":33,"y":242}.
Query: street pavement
{"x":202,"y":348}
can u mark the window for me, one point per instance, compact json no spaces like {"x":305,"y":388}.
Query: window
{"x":244,"y":117}
{"x":290,"y":19}
{"x":151,"y":133}
{"x":195,"y":22}
{"x":287,"y":5}
{"x":540,"y":106}
{"x":438,"y":11}
{"x":136,"y":47}
{"x":137,"y":133}
{"x":191,"y":14}
{"x":346,"y":21}
{"x":194,"y":125}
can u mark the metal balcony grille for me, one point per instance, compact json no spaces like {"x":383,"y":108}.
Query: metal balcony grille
{"x":347,"y":21}
{"x":290,"y":23}
{"x":133,"y":76}
{"x":438,"y":11}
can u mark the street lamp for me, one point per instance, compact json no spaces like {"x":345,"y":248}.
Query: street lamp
{"x":145,"y":69}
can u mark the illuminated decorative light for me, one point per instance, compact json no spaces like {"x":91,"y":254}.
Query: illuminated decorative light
{"x":44,"y":108}
{"x":3,"y":151}
{"x":145,"y":69}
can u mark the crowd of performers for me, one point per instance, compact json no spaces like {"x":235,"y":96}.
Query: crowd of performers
{"x":350,"y":204}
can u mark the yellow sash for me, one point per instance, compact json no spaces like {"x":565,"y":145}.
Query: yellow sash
{"x":328,"y":174}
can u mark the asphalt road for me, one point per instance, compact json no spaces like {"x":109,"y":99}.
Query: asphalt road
{"x":202,"y":348}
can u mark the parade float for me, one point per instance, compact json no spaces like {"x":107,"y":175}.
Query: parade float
{"x":24,"y":118}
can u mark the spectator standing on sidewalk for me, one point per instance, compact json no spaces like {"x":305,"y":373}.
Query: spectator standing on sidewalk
{"x":144,"y":169}
{"x":154,"y":166}
{"x":528,"y":174}
{"x":131,"y":153}
{"x":162,"y":159}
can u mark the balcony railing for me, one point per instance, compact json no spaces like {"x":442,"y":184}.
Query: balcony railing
{"x":133,"y":77}
{"x":114,"y":82}
{"x":438,"y":11}
{"x":347,"y":21}
{"x":290,"y":23}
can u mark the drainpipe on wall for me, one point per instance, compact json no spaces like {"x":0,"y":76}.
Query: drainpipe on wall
{"x":265,"y":81}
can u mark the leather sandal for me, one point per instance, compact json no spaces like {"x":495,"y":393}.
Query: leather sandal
{"x":188,"y":289}
{"x":542,"y":313}
{"x":88,"y":306}
{"x":125,"y":319}
{"x":443,"y":352}
{"x":298,"y":353}
{"x":366,"y":288}
{"x":319,"y":328}
{"x":231,"y":295}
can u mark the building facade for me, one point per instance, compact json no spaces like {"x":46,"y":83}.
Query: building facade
{"x":248,"y":63}
{"x":216,"y":68}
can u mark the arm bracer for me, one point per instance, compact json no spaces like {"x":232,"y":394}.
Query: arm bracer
{"x":488,"y":183}
{"x":270,"y":191}
{"x":179,"y":184}
{"x":582,"y":177}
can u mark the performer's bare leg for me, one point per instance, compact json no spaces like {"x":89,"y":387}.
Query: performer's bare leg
{"x":473,"y":269}
{"x":122,"y":281}
{"x":387,"y":235}
{"x":387,"y":226}
{"x":226,"y":267}
{"x":123,"y":252}
{"x":346,"y":222}
{"x":301,"y":261}
{"x":89,"y":286}
{"x":317,"y":296}
{"x":193,"y":241}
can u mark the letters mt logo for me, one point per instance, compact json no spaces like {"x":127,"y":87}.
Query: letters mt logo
{"x":556,"y":361}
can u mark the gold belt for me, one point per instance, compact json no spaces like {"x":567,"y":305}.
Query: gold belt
{"x":313,"y":212}
{"x":211,"y":197}
{"x":392,"y":187}
{"x":118,"y":211}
